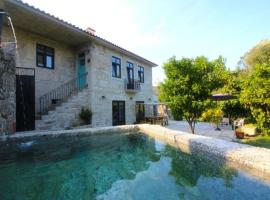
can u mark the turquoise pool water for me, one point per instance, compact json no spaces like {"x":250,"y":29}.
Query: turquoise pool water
{"x":117,"y":166}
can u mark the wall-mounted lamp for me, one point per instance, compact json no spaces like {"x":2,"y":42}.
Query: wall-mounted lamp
{"x":130,"y":98}
{"x":149,"y":99}
{"x":103,"y":97}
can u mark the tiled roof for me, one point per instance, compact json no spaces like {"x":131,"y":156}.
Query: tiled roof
{"x":85,"y":32}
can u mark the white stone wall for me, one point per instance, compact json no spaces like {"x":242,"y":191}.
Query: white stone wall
{"x":45,"y":79}
{"x":99,"y":68}
{"x":103,"y":84}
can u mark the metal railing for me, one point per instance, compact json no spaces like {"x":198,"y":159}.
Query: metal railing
{"x":132,"y":85}
{"x":56,"y":96}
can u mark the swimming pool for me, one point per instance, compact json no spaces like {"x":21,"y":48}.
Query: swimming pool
{"x":117,"y":166}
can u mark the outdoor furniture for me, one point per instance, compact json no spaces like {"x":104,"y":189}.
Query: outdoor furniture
{"x":225,"y":121}
{"x":153,"y":113}
{"x":238,"y":123}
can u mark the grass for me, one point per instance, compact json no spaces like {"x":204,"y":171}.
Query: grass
{"x":258,"y":141}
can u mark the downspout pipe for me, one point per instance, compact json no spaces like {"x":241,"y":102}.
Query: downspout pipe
{"x":2,"y":14}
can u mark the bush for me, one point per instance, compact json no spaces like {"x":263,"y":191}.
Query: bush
{"x":212,"y":115}
{"x":255,"y":95}
{"x":85,"y":115}
{"x":177,"y":115}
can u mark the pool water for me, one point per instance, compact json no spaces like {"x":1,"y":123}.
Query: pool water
{"x":117,"y":166}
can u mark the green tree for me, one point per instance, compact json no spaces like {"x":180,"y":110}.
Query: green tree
{"x":189,"y":85}
{"x":259,"y":54}
{"x":256,"y":94}
{"x":234,"y":84}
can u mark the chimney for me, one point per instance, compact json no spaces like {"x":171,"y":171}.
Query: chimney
{"x":90,"y":31}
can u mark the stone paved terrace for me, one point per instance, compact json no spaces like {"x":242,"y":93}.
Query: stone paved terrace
{"x":205,"y":129}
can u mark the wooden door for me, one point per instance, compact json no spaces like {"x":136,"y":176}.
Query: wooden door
{"x":118,"y":113}
{"x":140,"y":111}
{"x":25,"y":102}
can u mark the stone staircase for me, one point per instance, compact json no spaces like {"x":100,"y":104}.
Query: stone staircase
{"x":64,"y":114}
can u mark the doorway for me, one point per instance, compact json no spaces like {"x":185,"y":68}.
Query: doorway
{"x":140,"y":111}
{"x":81,"y":71}
{"x":25,"y":99}
{"x":118,"y":113}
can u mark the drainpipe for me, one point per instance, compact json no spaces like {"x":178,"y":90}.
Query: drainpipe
{"x":1,"y":24}
{"x":2,"y":13}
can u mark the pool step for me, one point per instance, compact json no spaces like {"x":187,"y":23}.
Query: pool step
{"x":65,"y":114}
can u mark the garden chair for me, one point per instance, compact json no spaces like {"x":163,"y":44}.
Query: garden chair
{"x":239,"y":123}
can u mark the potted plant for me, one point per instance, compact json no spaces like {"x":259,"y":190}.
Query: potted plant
{"x":239,"y":133}
{"x":86,"y":115}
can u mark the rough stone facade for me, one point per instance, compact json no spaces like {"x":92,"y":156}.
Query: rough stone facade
{"x":101,"y":83}
{"x":45,"y":79}
{"x":7,"y":92}
{"x":99,"y":67}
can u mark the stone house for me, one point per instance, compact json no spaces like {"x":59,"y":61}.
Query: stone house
{"x":60,"y":68}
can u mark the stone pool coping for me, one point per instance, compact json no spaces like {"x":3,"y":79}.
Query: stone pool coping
{"x":72,"y":132}
{"x":241,"y":156}
{"x":252,"y":158}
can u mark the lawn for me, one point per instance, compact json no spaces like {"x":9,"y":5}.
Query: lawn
{"x":259,"y":141}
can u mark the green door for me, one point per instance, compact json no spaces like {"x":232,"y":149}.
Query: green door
{"x":81,"y":71}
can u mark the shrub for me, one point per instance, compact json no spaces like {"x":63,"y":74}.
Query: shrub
{"x":177,"y":115}
{"x":212,"y":115}
{"x":85,"y":115}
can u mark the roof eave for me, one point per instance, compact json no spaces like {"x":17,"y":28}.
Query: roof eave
{"x":99,"y":40}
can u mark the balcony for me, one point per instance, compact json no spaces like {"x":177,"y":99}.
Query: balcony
{"x":132,"y":85}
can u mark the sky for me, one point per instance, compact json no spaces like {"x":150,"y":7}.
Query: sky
{"x":160,"y":29}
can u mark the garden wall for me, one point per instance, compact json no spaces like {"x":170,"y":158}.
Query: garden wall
{"x":7,"y":92}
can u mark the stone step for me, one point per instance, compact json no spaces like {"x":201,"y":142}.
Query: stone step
{"x":67,"y":108}
{"x":63,"y":115}
{"x":70,"y":106}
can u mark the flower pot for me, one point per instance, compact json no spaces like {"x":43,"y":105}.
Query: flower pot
{"x":239,"y":134}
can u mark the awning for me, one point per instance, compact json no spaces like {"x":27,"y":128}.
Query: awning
{"x":222,"y":97}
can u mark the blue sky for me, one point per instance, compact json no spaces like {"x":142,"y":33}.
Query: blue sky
{"x":159,"y":29}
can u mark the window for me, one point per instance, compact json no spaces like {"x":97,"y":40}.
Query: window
{"x":130,"y":71}
{"x":45,"y":56}
{"x":141,"y":74}
{"x":116,"y":67}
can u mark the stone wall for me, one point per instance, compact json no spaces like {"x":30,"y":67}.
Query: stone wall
{"x":100,"y":80}
{"x":45,"y":79}
{"x":7,"y":92}
{"x":251,"y":159}
{"x":101,"y":83}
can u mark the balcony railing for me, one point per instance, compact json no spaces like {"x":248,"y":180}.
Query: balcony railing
{"x":132,"y":85}
{"x":51,"y":99}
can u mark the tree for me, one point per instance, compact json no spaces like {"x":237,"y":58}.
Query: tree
{"x":259,"y":54}
{"x":213,"y":115}
{"x":234,"y":84}
{"x":255,"y":92}
{"x":189,"y":85}
{"x":256,"y":95}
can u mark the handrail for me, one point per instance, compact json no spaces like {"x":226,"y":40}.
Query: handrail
{"x":132,"y":85}
{"x":49,"y":100}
